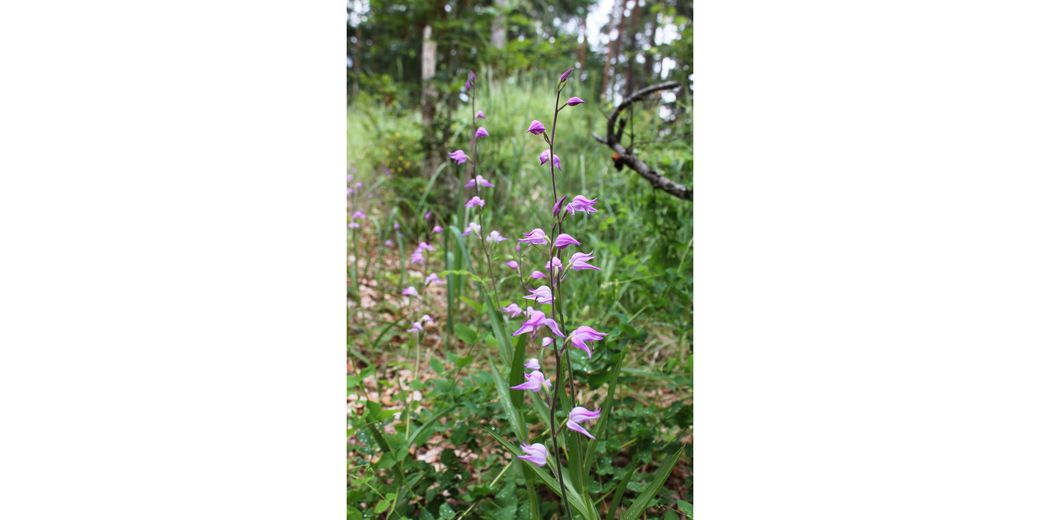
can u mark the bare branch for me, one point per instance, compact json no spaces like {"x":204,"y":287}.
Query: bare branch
{"x":622,"y":156}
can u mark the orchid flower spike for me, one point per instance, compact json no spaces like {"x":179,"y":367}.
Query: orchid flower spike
{"x":541,"y":295}
{"x":579,"y":415}
{"x":458,"y":156}
{"x":536,"y":128}
{"x":535,"y":382}
{"x":534,"y":453}
{"x":580,"y":261}
{"x":563,"y":240}
{"x":481,"y":132}
{"x":474,"y":202}
{"x":536,"y":236}
{"x":513,"y":310}
{"x":575,"y":101}
{"x":532,"y":364}
{"x":410,"y":291}
{"x":582,"y":334}
{"x":479,"y":181}
{"x":536,"y":320}
{"x":580,"y":203}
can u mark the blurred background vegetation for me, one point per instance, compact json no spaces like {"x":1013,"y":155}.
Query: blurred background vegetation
{"x":402,"y":123}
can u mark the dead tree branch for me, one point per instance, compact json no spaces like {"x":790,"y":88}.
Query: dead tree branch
{"x":626,"y":157}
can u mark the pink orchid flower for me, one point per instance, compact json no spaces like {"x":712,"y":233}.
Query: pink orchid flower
{"x":582,"y":334}
{"x":541,"y":295}
{"x":534,"y":453}
{"x":535,"y":382}
{"x":536,"y":236}
{"x":580,"y":203}
{"x":537,"y":320}
{"x":513,"y":310}
{"x":579,"y":415}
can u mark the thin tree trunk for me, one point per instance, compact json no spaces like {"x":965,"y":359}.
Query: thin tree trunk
{"x":648,"y":64}
{"x":617,"y":44}
{"x":632,"y":51}
{"x":615,"y":18}
{"x":584,"y":47}
{"x":429,"y":93}
{"x":498,"y":25}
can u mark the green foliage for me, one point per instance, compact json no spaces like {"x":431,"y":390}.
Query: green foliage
{"x":642,"y":298}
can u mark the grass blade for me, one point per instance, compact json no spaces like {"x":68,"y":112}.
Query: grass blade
{"x":643,"y":500}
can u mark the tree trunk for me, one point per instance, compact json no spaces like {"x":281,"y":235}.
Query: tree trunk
{"x":648,"y":64}
{"x":632,"y":51}
{"x":616,"y":17}
{"x":584,"y":47}
{"x":498,"y":25}
{"x":429,"y":94}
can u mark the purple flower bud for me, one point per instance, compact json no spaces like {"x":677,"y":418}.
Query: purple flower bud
{"x":532,"y":364}
{"x":433,"y":279}
{"x":546,"y":342}
{"x":556,"y":207}
{"x":427,"y":215}
{"x":479,"y":181}
{"x":358,"y":215}
{"x":536,"y":128}
{"x":537,"y":275}
{"x":536,"y":236}
{"x":544,"y":158}
{"x":437,"y":229}
{"x":471,"y":79}
{"x":458,"y":156}
{"x":397,"y":226}
{"x":512,"y":265}
{"x":481,"y":132}
{"x":480,"y":114}
{"x":563,"y":77}
{"x":473,"y":227}
{"x":575,"y":101}
{"x":563,"y":240}
{"x":513,"y":310}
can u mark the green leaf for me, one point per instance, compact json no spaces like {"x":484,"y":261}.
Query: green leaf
{"x":573,"y":499}
{"x":619,"y":491}
{"x":643,"y":500}
{"x":382,"y":505}
{"x":685,"y":507}
{"x":466,"y":334}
